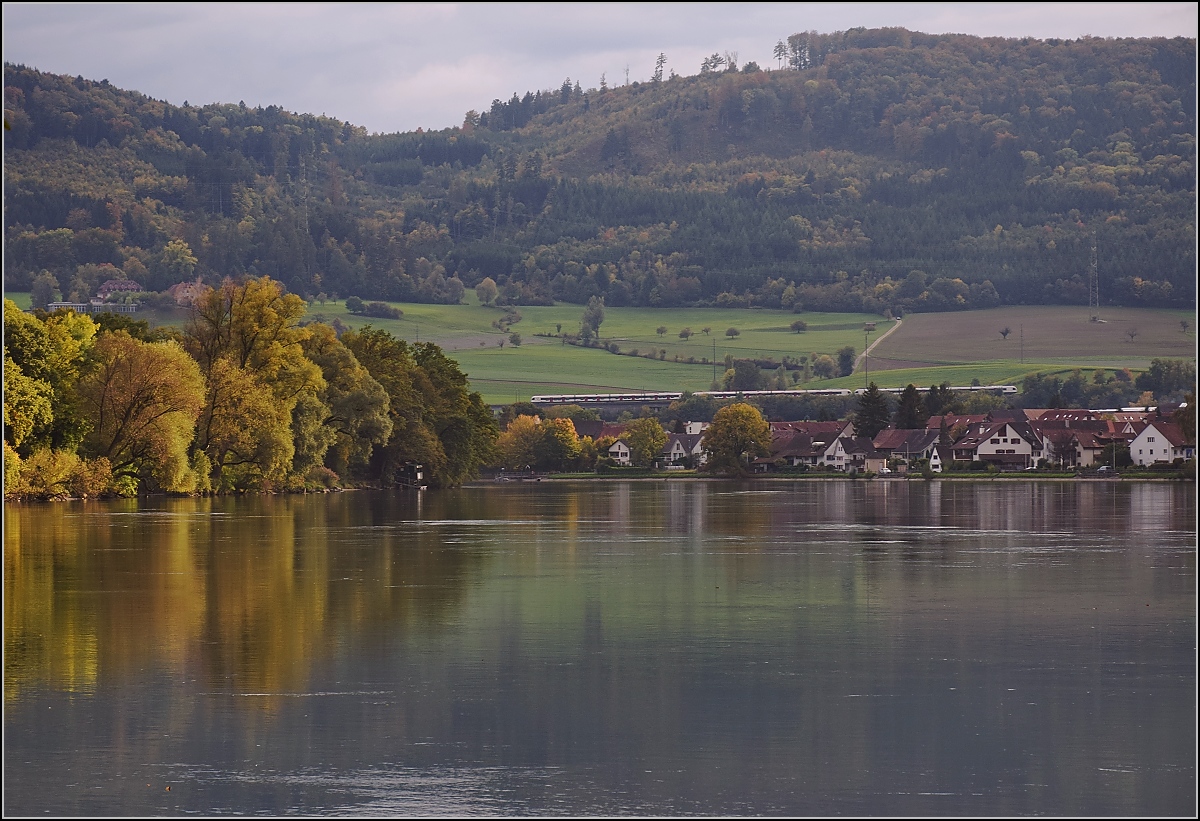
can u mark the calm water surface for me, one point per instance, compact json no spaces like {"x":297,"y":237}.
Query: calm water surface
{"x":682,"y":647}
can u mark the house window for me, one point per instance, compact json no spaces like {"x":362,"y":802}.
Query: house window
{"x":996,"y":441}
{"x":1149,"y":438}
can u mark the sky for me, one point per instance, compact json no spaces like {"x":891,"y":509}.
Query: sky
{"x":392,"y":67}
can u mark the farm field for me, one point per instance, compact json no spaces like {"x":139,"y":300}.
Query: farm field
{"x":926,"y":349}
{"x":1060,"y":335}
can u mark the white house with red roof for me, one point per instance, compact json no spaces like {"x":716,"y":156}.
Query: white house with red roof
{"x":1160,"y":441}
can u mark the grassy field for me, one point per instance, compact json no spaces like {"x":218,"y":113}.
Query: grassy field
{"x":925,"y":349}
{"x":543,"y":364}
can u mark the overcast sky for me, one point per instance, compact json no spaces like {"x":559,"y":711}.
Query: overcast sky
{"x":400,"y":66}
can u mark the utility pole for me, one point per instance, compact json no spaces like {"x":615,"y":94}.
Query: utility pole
{"x":1022,"y":344}
{"x":1094,"y":282}
{"x":867,"y":328}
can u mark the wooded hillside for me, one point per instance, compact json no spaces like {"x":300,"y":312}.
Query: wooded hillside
{"x":878,"y":170}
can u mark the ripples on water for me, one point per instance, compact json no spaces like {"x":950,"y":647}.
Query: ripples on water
{"x":607,"y":649}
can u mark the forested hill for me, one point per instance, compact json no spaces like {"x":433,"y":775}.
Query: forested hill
{"x":883,"y":170}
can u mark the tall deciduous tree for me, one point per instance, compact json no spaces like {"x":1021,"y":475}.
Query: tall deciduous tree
{"x":738,"y":433}
{"x":354,"y":406}
{"x":248,"y":342}
{"x":559,"y":446}
{"x":486,"y":291}
{"x":646,"y":439}
{"x":142,"y":400}
{"x":519,"y":445}
{"x":593,"y":316}
{"x":53,"y":351}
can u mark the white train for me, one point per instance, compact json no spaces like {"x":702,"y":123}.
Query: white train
{"x":1003,"y":390}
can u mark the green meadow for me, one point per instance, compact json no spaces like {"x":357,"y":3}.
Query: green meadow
{"x":543,"y":363}
{"x":925,"y":349}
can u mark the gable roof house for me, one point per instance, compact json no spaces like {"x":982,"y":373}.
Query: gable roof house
{"x":619,"y":451}
{"x":116,"y":288}
{"x":186,"y":294}
{"x":1006,"y":445}
{"x":682,"y":448}
{"x":853,"y":453}
{"x":861,"y":454}
{"x":1160,"y":442}
{"x":939,"y":458}
{"x":792,"y":449}
{"x":828,"y":431}
{"x":906,"y":445}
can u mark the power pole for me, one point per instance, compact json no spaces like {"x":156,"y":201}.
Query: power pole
{"x":1094,"y":282}
{"x":867,"y":328}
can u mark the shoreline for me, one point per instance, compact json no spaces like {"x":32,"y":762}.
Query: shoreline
{"x":691,"y":477}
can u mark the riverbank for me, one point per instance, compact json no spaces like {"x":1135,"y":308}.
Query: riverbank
{"x":692,"y":475}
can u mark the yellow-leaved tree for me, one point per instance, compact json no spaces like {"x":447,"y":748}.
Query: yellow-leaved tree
{"x":249,"y":344}
{"x":738,"y":434}
{"x":141,"y":400}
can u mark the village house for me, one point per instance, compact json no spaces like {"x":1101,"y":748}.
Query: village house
{"x":682,"y":450}
{"x":619,"y":453}
{"x":1160,"y":441}
{"x":117,"y":288}
{"x":906,"y":446}
{"x":185,"y":294}
{"x":803,"y":443}
{"x":1006,"y":445}
{"x":861,"y":455}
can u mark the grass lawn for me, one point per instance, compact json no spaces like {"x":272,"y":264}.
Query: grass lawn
{"x":20,"y":298}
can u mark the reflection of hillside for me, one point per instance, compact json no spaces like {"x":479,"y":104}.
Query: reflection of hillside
{"x":640,"y":641}
{"x":249,"y":591}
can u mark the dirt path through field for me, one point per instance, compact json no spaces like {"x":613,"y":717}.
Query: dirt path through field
{"x":859,"y":361}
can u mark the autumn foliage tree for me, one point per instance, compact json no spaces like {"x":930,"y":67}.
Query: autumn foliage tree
{"x":646,"y":439}
{"x":738,"y":434}
{"x":141,"y":401}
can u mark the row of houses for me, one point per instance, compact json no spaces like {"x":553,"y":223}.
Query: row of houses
{"x":118,"y":296}
{"x":111,"y":298}
{"x":1008,"y":440}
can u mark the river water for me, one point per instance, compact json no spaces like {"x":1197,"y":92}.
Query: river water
{"x":637,"y":648}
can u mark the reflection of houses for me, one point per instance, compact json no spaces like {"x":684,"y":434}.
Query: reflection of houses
{"x":1160,"y":441}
